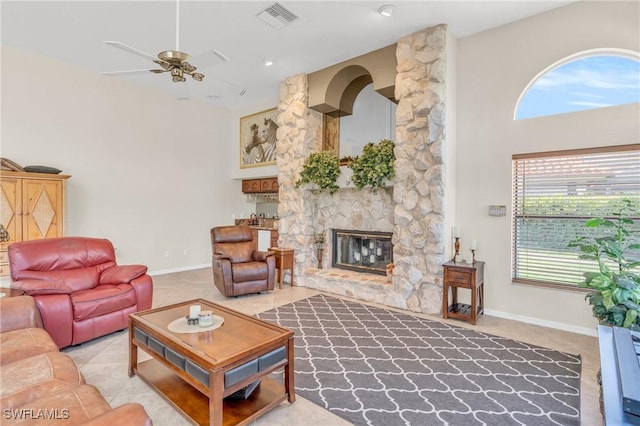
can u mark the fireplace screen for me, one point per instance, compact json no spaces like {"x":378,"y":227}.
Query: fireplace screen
{"x":362,"y":251}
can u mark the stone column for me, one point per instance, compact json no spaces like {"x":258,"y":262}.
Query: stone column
{"x":299,"y":134}
{"x":419,"y":184}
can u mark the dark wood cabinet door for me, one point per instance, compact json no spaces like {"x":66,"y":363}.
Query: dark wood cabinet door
{"x":250,"y":186}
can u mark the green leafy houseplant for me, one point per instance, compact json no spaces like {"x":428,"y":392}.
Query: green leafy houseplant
{"x":374,"y":166}
{"x":322,"y":169}
{"x":616,"y":297}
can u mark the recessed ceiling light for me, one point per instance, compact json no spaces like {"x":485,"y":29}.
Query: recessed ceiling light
{"x":386,"y":10}
{"x":268,"y":62}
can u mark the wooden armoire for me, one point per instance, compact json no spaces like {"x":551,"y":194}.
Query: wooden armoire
{"x":31,"y":207}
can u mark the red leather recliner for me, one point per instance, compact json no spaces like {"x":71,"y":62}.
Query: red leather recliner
{"x":80,"y":291}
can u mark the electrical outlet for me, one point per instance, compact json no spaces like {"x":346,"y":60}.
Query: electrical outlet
{"x":166,"y":253}
{"x":186,"y":252}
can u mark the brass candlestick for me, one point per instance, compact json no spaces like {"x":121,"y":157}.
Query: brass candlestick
{"x":473,"y":256}
{"x":457,"y":247}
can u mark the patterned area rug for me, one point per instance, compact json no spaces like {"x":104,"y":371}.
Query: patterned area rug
{"x":374,"y":366}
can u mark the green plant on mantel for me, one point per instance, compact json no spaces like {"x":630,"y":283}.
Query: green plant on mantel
{"x":374,"y":166}
{"x":321,"y":169}
{"x":615,"y":300}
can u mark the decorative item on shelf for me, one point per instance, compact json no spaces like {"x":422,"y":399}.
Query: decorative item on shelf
{"x":319,"y":240}
{"x":42,"y":169}
{"x":346,"y":160}
{"x":456,"y":235}
{"x":375,"y":166}
{"x":12,"y":166}
{"x":321,"y":169}
{"x":457,"y":247}
{"x":474,"y":247}
{"x":4,"y":234}
{"x":389,"y":269}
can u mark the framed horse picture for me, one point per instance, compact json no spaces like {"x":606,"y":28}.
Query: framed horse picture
{"x":258,"y":139}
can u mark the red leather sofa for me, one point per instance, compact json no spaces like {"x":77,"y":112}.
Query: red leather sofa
{"x":79,"y":289}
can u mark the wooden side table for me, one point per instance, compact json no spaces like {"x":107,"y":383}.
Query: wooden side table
{"x":463,"y":275}
{"x":284,"y":260}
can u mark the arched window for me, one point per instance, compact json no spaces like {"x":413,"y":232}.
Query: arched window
{"x":588,"y":80}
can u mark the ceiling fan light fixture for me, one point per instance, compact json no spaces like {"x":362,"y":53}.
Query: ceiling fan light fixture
{"x":177,"y":75}
{"x":386,"y":10}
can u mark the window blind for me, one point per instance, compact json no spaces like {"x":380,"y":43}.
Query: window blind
{"x":554,"y":194}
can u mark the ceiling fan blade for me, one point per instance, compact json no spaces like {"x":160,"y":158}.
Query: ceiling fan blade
{"x":163,"y":64}
{"x":209,"y":58}
{"x":131,"y":50}
{"x":126,"y":72}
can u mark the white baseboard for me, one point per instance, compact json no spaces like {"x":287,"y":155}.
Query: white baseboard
{"x":179,"y":269}
{"x":544,"y":323}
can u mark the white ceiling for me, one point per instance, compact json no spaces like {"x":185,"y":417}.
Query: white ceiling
{"x":327,"y":32}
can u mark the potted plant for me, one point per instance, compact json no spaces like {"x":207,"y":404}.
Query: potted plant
{"x":615,"y":298}
{"x":374,"y":166}
{"x":321,"y":169}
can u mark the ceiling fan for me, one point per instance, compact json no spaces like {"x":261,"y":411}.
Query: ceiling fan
{"x":171,"y":61}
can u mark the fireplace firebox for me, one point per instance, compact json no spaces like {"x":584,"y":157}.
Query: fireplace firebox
{"x":362,"y":251}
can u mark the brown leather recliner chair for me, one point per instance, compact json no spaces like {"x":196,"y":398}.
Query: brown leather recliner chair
{"x":79,"y":289}
{"x":237,"y":267}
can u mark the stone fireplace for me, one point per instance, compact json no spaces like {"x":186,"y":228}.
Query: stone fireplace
{"x":413,"y":209}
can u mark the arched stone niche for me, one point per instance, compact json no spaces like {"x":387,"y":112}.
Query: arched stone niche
{"x":333,"y":90}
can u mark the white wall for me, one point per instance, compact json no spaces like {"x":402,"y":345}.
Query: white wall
{"x":149,"y":172}
{"x":493,"y":69}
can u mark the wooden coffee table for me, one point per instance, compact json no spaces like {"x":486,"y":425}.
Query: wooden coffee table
{"x":195,"y":372}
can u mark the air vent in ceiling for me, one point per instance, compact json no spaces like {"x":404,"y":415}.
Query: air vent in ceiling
{"x":277,"y":16}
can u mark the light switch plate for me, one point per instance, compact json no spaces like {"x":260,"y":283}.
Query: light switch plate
{"x":497,"y":210}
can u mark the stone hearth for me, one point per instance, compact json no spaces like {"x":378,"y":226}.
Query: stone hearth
{"x":413,"y":209}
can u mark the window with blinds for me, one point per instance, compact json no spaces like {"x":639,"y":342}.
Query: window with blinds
{"x":554,"y":193}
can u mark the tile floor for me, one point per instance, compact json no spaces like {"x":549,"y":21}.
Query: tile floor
{"x":103,"y":361}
